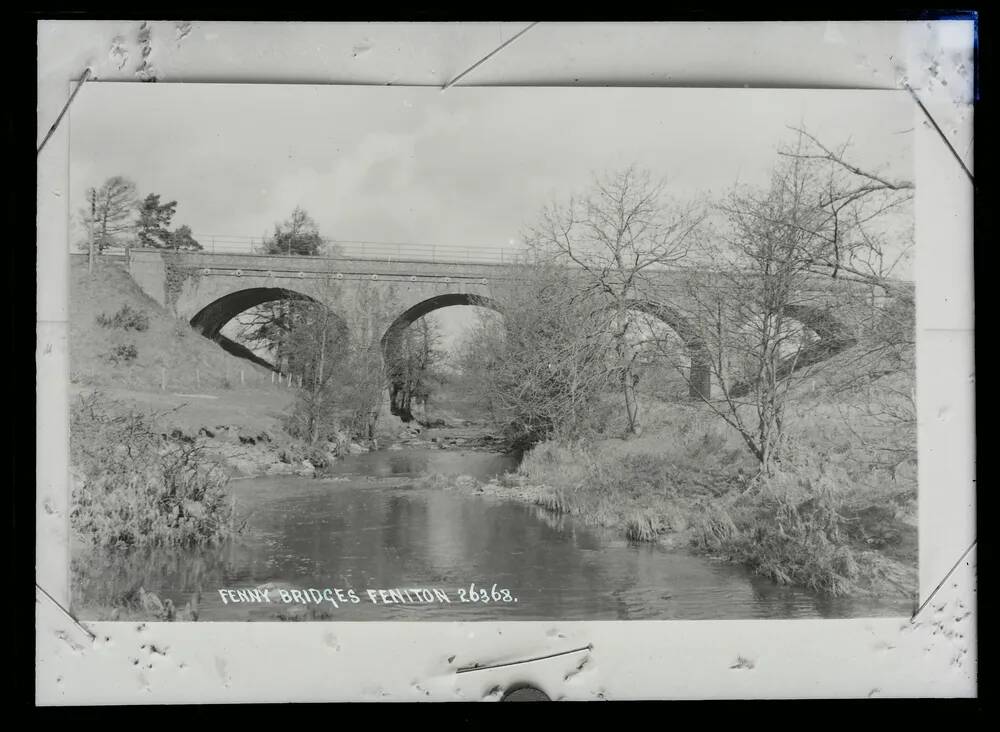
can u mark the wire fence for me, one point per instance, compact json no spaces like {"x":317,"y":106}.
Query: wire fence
{"x":216,"y":378}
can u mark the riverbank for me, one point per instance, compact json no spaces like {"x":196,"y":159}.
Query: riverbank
{"x":241,"y":431}
{"x":249,"y":453}
{"x":817,"y":523}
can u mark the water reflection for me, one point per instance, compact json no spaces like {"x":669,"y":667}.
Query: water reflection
{"x":415,"y":462}
{"x":357,"y":533}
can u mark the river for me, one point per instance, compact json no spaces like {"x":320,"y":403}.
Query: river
{"x":428,"y":553}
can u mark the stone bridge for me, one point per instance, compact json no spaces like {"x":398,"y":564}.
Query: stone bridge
{"x":209,"y":290}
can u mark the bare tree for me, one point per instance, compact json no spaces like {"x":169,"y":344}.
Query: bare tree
{"x":317,"y":344}
{"x":746,"y":309}
{"x":867,"y":235}
{"x":268,"y":327}
{"x":364,"y":379}
{"x":877,"y":384}
{"x":766,"y":312}
{"x":108,"y":214}
{"x":412,"y":363}
{"x":618,"y":232}
{"x":334,"y":350}
{"x":543,"y":366}
{"x":853,"y":206}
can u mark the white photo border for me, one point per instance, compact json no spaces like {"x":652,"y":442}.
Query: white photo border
{"x":287,"y":662}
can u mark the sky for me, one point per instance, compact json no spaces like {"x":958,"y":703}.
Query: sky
{"x":467,"y":167}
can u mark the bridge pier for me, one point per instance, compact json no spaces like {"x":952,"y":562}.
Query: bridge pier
{"x":700,"y":375}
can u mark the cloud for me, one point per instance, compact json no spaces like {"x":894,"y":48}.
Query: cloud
{"x":468,"y":166}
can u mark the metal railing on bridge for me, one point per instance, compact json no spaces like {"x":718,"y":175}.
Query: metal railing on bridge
{"x":350,"y":249}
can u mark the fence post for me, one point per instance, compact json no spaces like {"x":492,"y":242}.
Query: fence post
{"x":163,"y":379}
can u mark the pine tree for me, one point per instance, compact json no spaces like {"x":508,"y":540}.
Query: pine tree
{"x":153,"y":222}
{"x":181,"y":238}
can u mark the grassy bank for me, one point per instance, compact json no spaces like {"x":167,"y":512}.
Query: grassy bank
{"x":828,"y":518}
{"x":141,"y":358}
{"x":130,"y":348}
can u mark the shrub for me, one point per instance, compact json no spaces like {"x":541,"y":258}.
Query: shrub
{"x":135,"y":488}
{"x":797,"y":528}
{"x":126,"y":318}
{"x":318,"y":457}
{"x":124,"y":353}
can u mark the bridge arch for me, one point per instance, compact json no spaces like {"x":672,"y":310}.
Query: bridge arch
{"x":210,"y":320}
{"x":391,"y":340}
{"x":699,"y":374}
{"x":831,"y":337}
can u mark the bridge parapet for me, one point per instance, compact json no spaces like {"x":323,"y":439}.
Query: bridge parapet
{"x":386,"y":251}
{"x":209,"y":264}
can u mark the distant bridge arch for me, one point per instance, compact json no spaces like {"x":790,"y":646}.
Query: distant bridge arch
{"x":394,"y":332}
{"x":392,"y":338}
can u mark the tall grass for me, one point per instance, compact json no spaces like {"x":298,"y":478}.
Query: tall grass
{"x":134,"y":488}
{"x":829,"y":518}
{"x":808,"y":525}
{"x":607,"y":485}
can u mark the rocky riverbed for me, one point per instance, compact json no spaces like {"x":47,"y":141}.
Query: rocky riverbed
{"x":252,"y":453}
